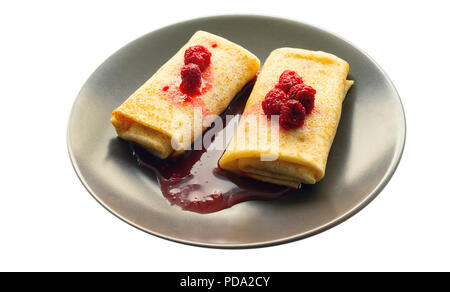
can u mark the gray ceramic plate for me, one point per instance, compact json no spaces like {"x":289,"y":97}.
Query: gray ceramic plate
{"x":364,"y":156}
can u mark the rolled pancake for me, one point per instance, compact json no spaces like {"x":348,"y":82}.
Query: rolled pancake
{"x":300,"y":155}
{"x":157,"y":115}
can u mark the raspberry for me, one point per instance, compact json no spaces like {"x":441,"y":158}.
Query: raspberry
{"x":289,"y":79}
{"x":273,"y":102}
{"x":272,"y":106}
{"x":198,"y":55}
{"x":304,"y":94}
{"x":191,"y":79}
{"x":291,"y":99}
{"x":292,"y":115}
{"x":277,"y":93}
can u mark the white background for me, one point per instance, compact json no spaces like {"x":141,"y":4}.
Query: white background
{"x":48,"y":221}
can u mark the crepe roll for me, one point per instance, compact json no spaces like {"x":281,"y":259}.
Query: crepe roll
{"x":290,"y":156}
{"x":160,"y":114}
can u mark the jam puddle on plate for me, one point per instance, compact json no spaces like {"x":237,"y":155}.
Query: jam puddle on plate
{"x":194,"y":180}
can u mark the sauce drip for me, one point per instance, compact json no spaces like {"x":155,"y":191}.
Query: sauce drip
{"x":194,"y":181}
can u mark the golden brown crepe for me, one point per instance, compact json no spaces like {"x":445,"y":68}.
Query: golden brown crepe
{"x":157,"y":116}
{"x":301,"y":154}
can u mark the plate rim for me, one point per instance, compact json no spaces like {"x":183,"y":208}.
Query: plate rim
{"x":326,"y":226}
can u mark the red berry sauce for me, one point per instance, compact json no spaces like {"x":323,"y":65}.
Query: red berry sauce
{"x":291,"y":99}
{"x":173,"y":94}
{"x":194,"y":181}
